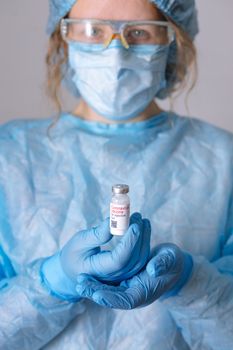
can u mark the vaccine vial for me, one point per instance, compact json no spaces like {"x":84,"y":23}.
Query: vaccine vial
{"x":119,"y":210}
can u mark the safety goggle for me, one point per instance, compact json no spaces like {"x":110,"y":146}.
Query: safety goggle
{"x":102,"y":32}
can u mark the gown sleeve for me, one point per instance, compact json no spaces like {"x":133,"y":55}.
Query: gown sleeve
{"x":203,"y":309}
{"x":29,"y":316}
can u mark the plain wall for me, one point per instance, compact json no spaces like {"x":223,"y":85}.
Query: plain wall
{"x":22,"y":69}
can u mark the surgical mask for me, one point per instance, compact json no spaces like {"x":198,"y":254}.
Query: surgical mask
{"x":118,"y":83}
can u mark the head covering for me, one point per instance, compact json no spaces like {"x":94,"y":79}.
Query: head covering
{"x":182,"y":12}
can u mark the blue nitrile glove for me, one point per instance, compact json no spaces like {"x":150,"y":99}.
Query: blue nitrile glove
{"x":82,"y":254}
{"x":165,"y":274}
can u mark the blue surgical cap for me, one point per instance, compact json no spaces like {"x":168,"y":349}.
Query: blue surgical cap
{"x":182,"y":12}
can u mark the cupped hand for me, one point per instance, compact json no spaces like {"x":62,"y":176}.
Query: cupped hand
{"x":165,"y":274}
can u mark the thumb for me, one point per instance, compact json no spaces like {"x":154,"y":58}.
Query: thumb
{"x":94,"y":237}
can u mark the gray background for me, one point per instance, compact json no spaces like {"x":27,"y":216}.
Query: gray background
{"x":22,"y":69}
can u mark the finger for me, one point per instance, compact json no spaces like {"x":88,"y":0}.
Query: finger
{"x":137,"y":256}
{"x":88,"y":239}
{"x":144,"y":251}
{"x":88,"y":285}
{"x":139,"y":291}
{"x":135,"y":217}
{"x":108,"y":263}
{"x":148,"y":288}
{"x":124,"y":300}
{"x":125,"y":253}
{"x":162,"y":263}
{"x":122,"y":250}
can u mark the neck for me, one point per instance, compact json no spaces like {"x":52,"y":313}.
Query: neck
{"x":85,"y":112}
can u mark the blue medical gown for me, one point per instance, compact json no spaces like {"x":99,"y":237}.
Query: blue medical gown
{"x":180,"y":175}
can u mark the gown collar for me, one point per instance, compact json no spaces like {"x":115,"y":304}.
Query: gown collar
{"x":159,"y":122}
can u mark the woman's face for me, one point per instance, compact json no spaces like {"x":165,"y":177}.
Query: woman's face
{"x":120,"y":10}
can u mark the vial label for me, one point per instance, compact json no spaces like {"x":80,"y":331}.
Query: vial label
{"x":119,"y":218}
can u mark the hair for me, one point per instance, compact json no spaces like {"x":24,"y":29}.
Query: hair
{"x":184,"y":70}
{"x":56,"y":59}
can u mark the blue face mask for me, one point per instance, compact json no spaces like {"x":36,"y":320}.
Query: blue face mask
{"x":118,"y":83}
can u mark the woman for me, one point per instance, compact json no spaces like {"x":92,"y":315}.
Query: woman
{"x":172,"y":270}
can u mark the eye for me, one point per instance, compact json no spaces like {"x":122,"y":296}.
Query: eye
{"x":93,"y":31}
{"x":139,"y":33}
{"x":136,"y":35}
